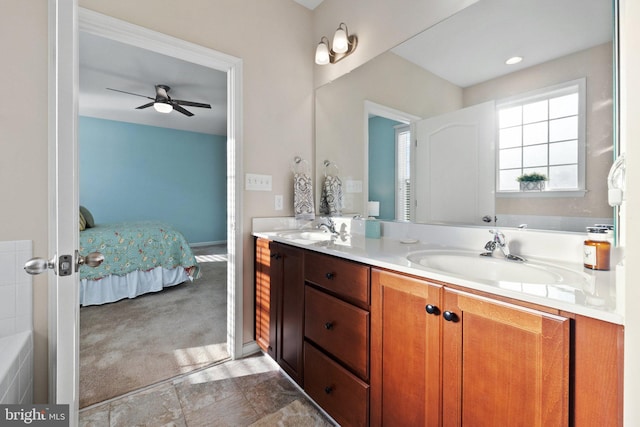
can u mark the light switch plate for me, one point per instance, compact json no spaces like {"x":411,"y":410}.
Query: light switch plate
{"x":255,"y":182}
{"x":354,"y":186}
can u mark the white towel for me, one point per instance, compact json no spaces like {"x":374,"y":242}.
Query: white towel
{"x":303,"y":197}
{"x":331,"y":197}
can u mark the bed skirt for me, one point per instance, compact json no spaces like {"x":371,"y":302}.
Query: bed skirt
{"x":114,"y":288}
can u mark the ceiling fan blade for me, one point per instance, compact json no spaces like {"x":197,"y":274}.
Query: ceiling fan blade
{"x":145,"y":106}
{"x":182,"y":110}
{"x":191,"y":104}
{"x":130,"y":93}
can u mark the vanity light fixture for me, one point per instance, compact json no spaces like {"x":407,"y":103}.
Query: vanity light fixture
{"x":342,"y":46}
{"x":513,"y":60}
{"x":163,"y":107}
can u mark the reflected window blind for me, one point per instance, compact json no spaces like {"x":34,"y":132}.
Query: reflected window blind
{"x":403,"y":173}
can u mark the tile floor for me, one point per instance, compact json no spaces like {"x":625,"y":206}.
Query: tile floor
{"x":245,"y":392}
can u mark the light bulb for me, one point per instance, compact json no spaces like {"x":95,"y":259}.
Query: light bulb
{"x":322,"y":53}
{"x":162,"y":107}
{"x":340,"y":42}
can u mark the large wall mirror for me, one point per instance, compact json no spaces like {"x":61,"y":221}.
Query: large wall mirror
{"x":440,"y":128}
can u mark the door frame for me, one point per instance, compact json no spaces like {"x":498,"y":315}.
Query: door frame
{"x":374,"y":109}
{"x":63,"y":114}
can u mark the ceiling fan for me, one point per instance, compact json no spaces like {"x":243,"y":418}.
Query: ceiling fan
{"x":163,"y":103}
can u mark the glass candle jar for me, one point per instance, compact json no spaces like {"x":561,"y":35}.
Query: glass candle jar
{"x":597,"y":249}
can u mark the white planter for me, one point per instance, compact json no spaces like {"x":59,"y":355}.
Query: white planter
{"x":532,"y":185}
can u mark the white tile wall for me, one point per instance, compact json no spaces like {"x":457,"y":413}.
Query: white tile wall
{"x":16,"y":323}
{"x":16,"y":369}
{"x":16,"y":288}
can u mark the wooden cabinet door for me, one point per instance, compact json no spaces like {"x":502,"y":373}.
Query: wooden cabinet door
{"x":287,"y":275}
{"x":503,"y":365}
{"x":405,"y":351}
{"x":266,"y":299}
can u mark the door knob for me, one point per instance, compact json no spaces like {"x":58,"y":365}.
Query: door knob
{"x":93,"y":259}
{"x":39,"y":265}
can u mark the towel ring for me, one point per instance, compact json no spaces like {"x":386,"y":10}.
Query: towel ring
{"x":327,"y":168}
{"x":300,"y":165}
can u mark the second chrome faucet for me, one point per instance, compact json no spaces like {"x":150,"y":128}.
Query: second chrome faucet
{"x":500,"y":241}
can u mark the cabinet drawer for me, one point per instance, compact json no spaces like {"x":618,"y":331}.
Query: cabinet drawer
{"x":345,"y":278}
{"x":343,"y":395}
{"x":339,"y":328}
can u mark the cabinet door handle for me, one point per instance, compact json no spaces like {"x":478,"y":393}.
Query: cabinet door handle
{"x":330,"y":275}
{"x":432,"y":309}
{"x":450,"y":316}
{"x":328,"y":326}
{"x":276,"y":256}
{"x":328,"y":389}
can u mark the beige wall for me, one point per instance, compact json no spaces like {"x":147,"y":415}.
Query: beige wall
{"x":277,"y":115}
{"x":379,"y":26}
{"x":596,"y":65}
{"x":23,"y":149}
{"x":340,"y":112}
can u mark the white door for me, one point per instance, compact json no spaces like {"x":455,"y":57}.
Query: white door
{"x":63,"y":195}
{"x":455,"y":166}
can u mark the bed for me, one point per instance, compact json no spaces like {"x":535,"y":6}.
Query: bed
{"x":139,"y":257}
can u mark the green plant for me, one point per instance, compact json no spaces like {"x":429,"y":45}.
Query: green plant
{"x":532,"y":177}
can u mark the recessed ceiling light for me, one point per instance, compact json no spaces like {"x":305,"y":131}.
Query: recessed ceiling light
{"x":513,"y":60}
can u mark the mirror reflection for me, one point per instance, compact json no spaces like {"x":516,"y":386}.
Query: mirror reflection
{"x":441,"y":130}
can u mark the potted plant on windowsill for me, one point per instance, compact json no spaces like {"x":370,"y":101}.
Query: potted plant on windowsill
{"x":532,"y":181}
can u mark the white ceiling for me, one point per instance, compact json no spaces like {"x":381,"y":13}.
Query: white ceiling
{"x":471,"y":46}
{"x":105,"y":63}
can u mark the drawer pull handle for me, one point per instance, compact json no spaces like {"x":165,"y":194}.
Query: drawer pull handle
{"x":328,"y":389}
{"x":450,"y":316}
{"x":328,"y":326}
{"x":330,"y":275}
{"x":276,"y":256}
{"x":432,"y":309}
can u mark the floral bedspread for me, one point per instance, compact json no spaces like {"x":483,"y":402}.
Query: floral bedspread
{"x":131,"y":246}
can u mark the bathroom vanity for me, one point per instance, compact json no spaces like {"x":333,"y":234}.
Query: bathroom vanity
{"x":375,"y":340}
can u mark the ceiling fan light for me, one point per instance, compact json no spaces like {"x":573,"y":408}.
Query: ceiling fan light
{"x":162,"y":107}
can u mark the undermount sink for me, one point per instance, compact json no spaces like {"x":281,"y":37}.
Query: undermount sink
{"x":472,"y":266}
{"x":310,"y":235}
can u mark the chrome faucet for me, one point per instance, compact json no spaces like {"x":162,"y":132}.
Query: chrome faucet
{"x":329,"y":225}
{"x":500,"y":241}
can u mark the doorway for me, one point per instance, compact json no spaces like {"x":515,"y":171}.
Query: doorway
{"x":104,"y":26}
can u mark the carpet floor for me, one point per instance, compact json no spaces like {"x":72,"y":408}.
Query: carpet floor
{"x":133,"y":343}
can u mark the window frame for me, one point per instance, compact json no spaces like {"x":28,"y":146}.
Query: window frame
{"x":538,"y":95}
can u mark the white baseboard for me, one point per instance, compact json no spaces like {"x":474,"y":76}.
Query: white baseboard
{"x":217,"y":242}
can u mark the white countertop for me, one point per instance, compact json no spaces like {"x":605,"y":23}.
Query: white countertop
{"x":595,"y":297}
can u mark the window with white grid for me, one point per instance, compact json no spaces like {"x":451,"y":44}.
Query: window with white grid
{"x":543,"y":132}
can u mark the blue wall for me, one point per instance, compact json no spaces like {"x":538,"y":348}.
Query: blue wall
{"x":382,"y":165}
{"x":132,"y":172}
